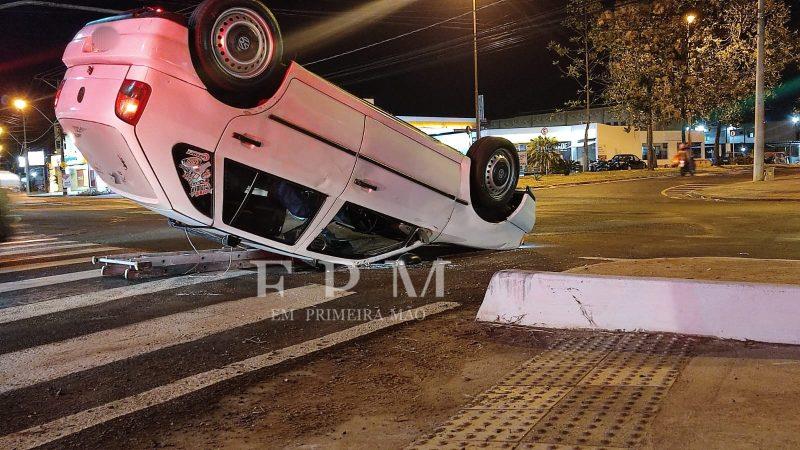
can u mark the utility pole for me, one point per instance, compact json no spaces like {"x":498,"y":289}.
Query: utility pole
{"x":475,"y":58}
{"x":758,"y":155}
{"x":61,"y":173}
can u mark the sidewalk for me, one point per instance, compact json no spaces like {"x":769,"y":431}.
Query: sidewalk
{"x":642,"y":390}
{"x":611,"y":176}
{"x":782,"y":189}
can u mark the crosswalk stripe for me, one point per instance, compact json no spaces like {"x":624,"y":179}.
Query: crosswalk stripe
{"x":14,"y":239}
{"x":50,"y":248}
{"x":34,"y":245}
{"x":52,"y":280}
{"x":50,"y":361}
{"x":44,"y":265}
{"x":16,"y":313}
{"x":58,"y":254}
{"x":12,"y":243}
{"x":57,"y":429}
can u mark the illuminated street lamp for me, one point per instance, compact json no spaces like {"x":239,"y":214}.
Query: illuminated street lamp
{"x":20,"y":104}
{"x":796,"y":122}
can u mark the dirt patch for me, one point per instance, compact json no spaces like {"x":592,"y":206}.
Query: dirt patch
{"x":381,"y":393}
{"x":779,"y":271}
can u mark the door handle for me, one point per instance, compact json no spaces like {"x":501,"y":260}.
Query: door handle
{"x":366,"y":185}
{"x":246,"y":140}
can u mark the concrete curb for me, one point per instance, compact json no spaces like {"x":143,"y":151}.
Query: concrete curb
{"x":728,"y":310}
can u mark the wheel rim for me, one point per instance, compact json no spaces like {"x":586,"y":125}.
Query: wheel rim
{"x":498,"y":177}
{"x":243,"y":43}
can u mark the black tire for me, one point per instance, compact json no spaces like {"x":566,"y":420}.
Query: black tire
{"x":237,"y":50}
{"x":493,"y":177}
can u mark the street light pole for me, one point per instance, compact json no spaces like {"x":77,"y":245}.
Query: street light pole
{"x":25,"y":152}
{"x":475,"y":66}
{"x":758,"y":155}
{"x":687,"y":128}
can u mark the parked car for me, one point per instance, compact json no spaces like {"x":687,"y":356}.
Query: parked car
{"x":775,"y":158}
{"x":626,"y":162}
{"x":599,"y":166}
{"x":202,"y":122}
{"x":10,"y":181}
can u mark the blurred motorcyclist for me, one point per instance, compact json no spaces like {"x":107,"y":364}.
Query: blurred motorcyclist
{"x":685,"y":160}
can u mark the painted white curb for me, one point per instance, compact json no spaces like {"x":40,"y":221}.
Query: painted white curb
{"x":742,"y":311}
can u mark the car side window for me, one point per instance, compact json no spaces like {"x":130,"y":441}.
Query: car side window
{"x":360,"y":233}
{"x":266,"y":205}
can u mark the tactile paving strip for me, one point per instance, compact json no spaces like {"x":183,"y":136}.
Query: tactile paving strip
{"x":584,"y":392}
{"x":642,"y":360}
{"x":614,"y":416}
{"x":491,"y":425}
{"x":531,"y":446}
{"x":519,"y":397}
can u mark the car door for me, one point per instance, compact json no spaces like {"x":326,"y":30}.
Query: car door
{"x":398,"y":176}
{"x":278,"y":172}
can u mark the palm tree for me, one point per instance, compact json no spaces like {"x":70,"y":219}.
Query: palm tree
{"x":542,"y":154}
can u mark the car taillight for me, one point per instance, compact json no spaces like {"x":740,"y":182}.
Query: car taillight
{"x":131,"y":100}
{"x":58,"y":93}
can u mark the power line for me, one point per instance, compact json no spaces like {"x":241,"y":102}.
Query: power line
{"x":502,"y":37}
{"x":400,"y":36}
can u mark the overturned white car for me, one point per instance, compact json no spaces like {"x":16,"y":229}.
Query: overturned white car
{"x":203,"y":123}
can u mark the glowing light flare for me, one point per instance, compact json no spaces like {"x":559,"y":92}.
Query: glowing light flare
{"x":20,"y":104}
{"x":130,"y":106}
{"x":350,"y":22}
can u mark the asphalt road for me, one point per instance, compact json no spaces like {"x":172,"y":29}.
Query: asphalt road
{"x":69,"y":346}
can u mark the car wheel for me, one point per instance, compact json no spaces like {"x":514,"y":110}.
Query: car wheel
{"x":237,"y":50}
{"x":493,"y":177}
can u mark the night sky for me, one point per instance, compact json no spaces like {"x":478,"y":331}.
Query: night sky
{"x":428,"y":73}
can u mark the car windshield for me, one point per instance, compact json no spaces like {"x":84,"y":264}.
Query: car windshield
{"x":359,"y":233}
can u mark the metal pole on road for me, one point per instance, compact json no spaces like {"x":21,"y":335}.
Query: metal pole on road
{"x":758,"y":155}
{"x":25,"y":152}
{"x":475,"y":55}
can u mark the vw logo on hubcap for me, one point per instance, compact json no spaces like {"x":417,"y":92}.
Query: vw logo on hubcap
{"x":244,"y":43}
